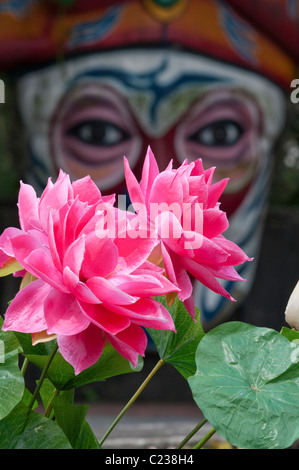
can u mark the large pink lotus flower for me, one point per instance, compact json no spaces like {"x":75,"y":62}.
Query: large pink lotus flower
{"x":180,"y":207}
{"x":91,"y":285}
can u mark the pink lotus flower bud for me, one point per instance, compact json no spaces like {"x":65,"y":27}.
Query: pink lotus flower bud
{"x":292,"y":309}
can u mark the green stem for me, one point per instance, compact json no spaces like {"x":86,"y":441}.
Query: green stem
{"x":202,"y":442}
{"x":24,"y":366}
{"x":191,"y":434}
{"x":132,"y":400}
{"x":42,"y":377}
{"x":49,"y":406}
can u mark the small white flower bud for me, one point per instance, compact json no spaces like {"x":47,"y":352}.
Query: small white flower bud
{"x":292,"y":309}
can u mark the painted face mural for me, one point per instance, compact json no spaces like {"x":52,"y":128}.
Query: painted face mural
{"x":190,"y":89}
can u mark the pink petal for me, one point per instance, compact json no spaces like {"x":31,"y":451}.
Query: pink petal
{"x":129,"y":343}
{"x":133,"y":252}
{"x":78,"y":288}
{"x":133,"y":187}
{"x":150,"y":171}
{"x":105,"y":318}
{"x":214,"y":223}
{"x":182,"y":277}
{"x":86,"y":190}
{"x":203,"y":275}
{"x":23,"y":245}
{"x":74,"y":255}
{"x":144,"y":284}
{"x":100,"y":258}
{"x":198,"y":188}
{"x":173,"y":235}
{"x":215,"y":191}
{"x":236,"y":254}
{"x":52,"y":243}
{"x":55,"y":198}
{"x":225,"y":272}
{"x":26,"y":313}
{"x":105,"y":291}
{"x":6,"y":250}
{"x":28,"y":207}
{"x":190,"y":306}
{"x":74,"y":214}
{"x":40,"y":264}
{"x":148,"y":313}
{"x":83,"y":349}
{"x":166,"y":193}
{"x":63,"y":314}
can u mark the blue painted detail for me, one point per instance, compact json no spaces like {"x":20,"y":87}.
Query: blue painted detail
{"x":239,"y":33}
{"x":149,"y":82}
{"x":17,"y":8}
{"x":91,"y":31}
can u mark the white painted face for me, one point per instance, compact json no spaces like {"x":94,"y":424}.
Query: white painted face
{"x":86,"y":114}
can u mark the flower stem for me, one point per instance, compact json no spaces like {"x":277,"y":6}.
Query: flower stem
{"x":132,"y":400}
{"x":49,"y":406}
{"x":42,"y":377}
{"x":24,"y":366}
{"x":202,"y":442}
{"x":191,"y":434}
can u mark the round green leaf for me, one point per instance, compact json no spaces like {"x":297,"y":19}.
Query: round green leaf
{"x":247,"y":385}
{"x":11,"y":379}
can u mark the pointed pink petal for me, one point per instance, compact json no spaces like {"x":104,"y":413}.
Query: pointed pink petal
{"x":86,"y":190}
{"x":77,"y":288}
{"x":133,"y":187}
{"x":105,"y":291}
{"x":215,"y":191}
{"x":129,"y":343}
{"x":145,"y":284}
{"x":168,"y":264}
{"x":225,"y":272}
{"x":150,"y":171}
{"x":166,"y":193}
{"x":214,"y":223}
{"x":23,"y":245}
{"x":40,"y":264}
{"x":74,"y":255}
{"x":6,"y":250}
{"x":236,"y":254}
{"x":26,"y":313}
{"x":83,"y":349}
{"x":74,"y":214}
{"x":148,"y":313}
{"x":100,"y":258}
{"x":28,"y":207}
{"x":190,"y":306}
{"x":182,"y":277}
{"x":55,"y":198}
{"x":198,"y":188}
{"x":203,"y":275}
{"x":52,"y":243}
{"x":63,"y":314}
{"x":105,"y":318}
{"x":133,"y":252}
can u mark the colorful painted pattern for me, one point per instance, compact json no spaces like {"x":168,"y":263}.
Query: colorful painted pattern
{"x":36,"y":31}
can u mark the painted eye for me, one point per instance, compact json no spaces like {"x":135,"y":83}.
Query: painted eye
{"x":223,"y":133}
{"x":98,"y":132}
